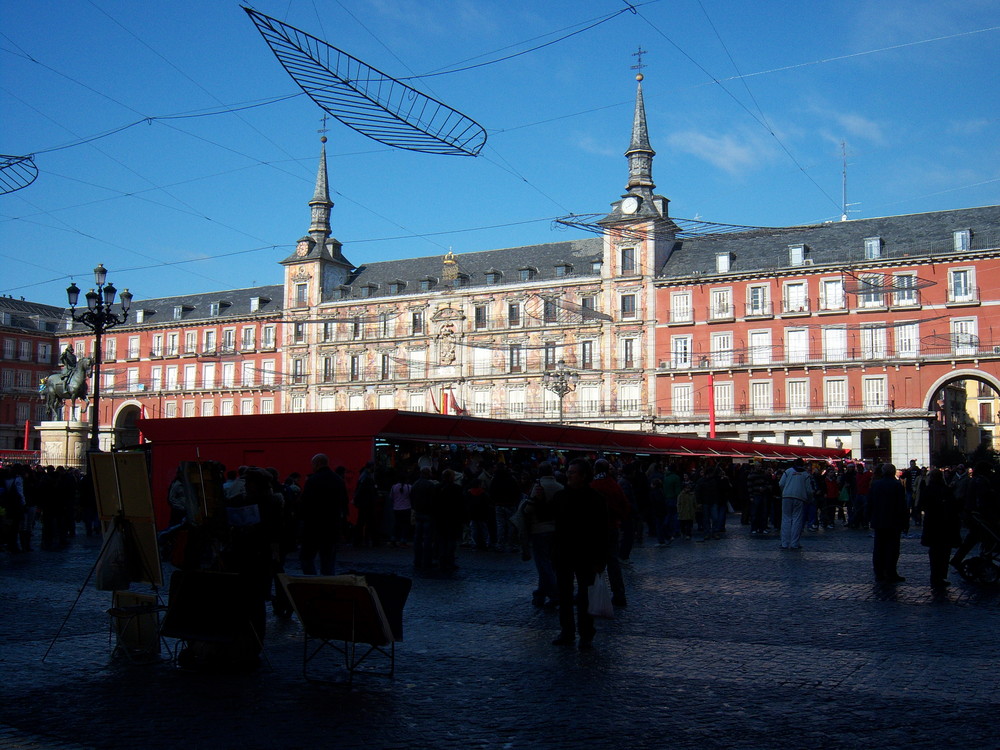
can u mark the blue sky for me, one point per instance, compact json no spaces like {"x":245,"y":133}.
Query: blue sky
{"x":173,"y":206}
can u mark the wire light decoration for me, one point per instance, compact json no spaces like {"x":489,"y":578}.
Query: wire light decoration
{"x":686,"y":228}
{"x":16,"y":172}
{"x":367,"y":100}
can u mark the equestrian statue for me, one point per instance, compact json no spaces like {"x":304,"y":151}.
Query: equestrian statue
{"x":69,"y":383}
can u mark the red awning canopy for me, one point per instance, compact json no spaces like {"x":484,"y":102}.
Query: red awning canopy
{"x":392,"y":424}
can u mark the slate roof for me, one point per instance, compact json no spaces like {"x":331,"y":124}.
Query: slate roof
{"x":836,"y":243}
{"x":32,"y":316}
{"x":159,"y":311}
{"x":580,"y":254}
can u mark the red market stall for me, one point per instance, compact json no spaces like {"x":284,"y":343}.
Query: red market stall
{"x":287,"y":442}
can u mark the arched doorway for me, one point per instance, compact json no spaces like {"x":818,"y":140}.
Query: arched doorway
{"x":126,"y":429}
{"x":965,"y":404}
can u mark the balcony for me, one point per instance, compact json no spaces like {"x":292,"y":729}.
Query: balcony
{"x":747,"y":413}
{"x":958,"y":297}
{"x":931,"y":348}
{"x":759,"y":310}
{"x":791,"y":308}
{"x":721,"y":313}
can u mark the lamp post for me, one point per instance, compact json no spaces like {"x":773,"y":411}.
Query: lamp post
{"x":560,"y":381}
{"x":98,"y":317}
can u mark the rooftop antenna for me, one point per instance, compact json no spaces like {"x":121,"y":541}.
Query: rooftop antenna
{"x":846,"y":207}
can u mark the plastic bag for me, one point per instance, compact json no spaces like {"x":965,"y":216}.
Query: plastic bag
{"x":599,"y":595}
{"x":112,"y":567}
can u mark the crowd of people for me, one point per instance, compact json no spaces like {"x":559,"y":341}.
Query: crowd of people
{"x":573,"y":518}
{"x":53,"y":498}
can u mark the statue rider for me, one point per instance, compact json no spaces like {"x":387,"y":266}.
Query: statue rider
{"x":68,"y":360}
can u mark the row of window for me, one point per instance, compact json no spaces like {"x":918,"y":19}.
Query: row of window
{"x":18,"y":378}
{"x":23,"y":350}
{"x":516,"y":403}
{"x":226,"y":408}
{"x":836,"y":396}
{"x":836,"y":343}
{"x":514,"y":358}
{"x":169,"y":344}
{"x":518,"y":315}
{"x":172,"y":378}
{"x":873,"y":290}
{"x":874,"y":249}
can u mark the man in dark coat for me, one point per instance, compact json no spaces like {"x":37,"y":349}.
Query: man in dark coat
{"x":322,"y":512}
{"x":889,"y":518}
{"x":579,"y":550}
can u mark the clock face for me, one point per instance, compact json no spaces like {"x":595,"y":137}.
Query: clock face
{"x":302,"y":248}
{"x":630,"y":205}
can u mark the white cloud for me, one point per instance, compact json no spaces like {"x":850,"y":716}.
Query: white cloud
{"x":591,"y":145}
{"x":860,"y":126}
{"x":731,"y":153}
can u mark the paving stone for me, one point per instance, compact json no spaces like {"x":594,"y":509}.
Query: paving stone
{"x":728,"y":644}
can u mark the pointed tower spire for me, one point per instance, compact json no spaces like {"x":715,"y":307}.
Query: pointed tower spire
{"x":640,"y":154}
{"x":321,"y":204}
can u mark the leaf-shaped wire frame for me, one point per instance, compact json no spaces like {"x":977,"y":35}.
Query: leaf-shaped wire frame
{"x":16,"y":172}
{"x":366,"y":99}
{"x":686,"y":228}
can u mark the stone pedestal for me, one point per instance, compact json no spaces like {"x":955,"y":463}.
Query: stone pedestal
{"x":65,"y":443}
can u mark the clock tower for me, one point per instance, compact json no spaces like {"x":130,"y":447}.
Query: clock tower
{"x":318,"y":261}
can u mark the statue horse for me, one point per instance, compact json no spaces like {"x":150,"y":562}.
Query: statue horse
{"x":58,"y":388}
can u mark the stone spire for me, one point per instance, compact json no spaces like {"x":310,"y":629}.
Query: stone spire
{"x":640,"y":154}
{"x":321,"y":204}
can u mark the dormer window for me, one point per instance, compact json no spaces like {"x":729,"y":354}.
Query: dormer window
{"x":213,"y":309}
{"x":527,"y":273}
{"x":873,"y":248}
{"x":493,"y":277}
{"x":962,"y":239}
{"x":796,"y":255}
{"x":427,"y":284}
{"x":595,"y":266}
{"x":342,"y":292}
{"x":369,"y":290}
{"x":178,"y":312}
{"x":140,"y":317}
{"x":397,"y":287}
{"x":722,"y":262}
{"x":462,"y":279}
{"x":564,"y":269}
{"x":258,"y":302}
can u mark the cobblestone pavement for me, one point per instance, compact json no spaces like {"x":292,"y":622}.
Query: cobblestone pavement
{"x":727,"y":644}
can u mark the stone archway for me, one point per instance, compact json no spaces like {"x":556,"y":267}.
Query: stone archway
{"x":960,"y":426}
{"x":126,"y":429}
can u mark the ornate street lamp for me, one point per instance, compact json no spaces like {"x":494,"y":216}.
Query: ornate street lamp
{"x":98,"y":317}
{"x":560,"y":381}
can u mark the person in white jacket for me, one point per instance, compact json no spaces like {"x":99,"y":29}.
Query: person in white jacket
{"x":796,"y":491}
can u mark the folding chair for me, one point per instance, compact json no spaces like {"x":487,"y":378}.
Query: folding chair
{"x":341,"y":612}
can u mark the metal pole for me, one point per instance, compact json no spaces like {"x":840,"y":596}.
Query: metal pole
{"x":95,"y":423}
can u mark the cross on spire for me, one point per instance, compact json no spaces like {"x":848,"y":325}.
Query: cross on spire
{"x":324,"y":128}
{"x":638,"y":55}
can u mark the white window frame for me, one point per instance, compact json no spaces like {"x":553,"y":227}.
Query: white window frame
{"x":836,"y":396}
{"x":682,"y":399}
{"x":831,"y":294}
{"x":873,"y":392}
{"x":681,"y":352}
{"x":680,"y":307}
{"x":797,"y":396}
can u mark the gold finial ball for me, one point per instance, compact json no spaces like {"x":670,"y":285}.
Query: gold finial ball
{"x":322,"y":139}
{"x":638,"y":77}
